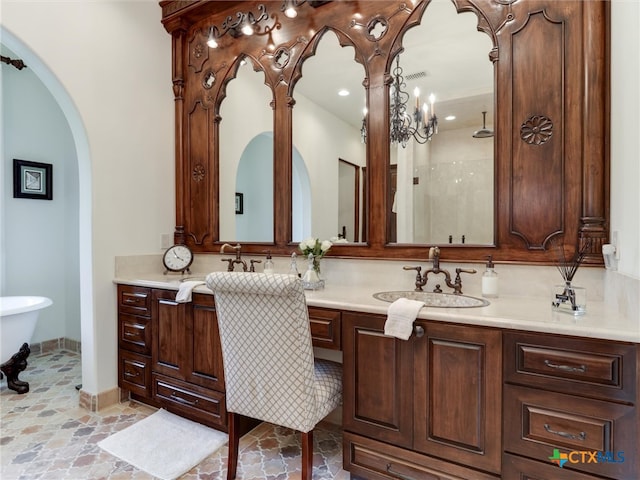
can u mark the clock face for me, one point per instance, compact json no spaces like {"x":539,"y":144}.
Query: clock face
{"x":178,"y":258}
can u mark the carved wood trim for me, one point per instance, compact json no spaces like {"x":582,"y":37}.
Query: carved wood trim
{"x":577,"y":189}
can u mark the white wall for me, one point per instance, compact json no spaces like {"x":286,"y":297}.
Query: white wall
{"x":110,"y":66}
{"x":625,"y":125}
{"x":40,"y":250}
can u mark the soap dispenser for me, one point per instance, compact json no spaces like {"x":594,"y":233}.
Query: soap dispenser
{"x":293,"y":268}
{"x":490,"y":280}
{"x":268,"y":263}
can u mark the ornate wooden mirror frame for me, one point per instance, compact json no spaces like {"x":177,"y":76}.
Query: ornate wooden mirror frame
{"x":551,"y":64}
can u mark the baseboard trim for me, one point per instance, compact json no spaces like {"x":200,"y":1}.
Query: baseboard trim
{"x":102,"y":400}
{"x":49,"y":346}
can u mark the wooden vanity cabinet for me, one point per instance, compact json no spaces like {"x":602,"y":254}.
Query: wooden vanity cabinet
{"x":436,"y":395}
{"x":574,"y":395}
{"x":188,"y":376}
{"x":169,"y":353}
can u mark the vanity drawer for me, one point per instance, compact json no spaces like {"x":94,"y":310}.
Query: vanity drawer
{"x":134,"y":333}
{"x":194,"y":402}
{"x":591,"y":368}
{"x":134,"y":373}
{"x":325,"y":328}
{"x":372,"y":460}
{"x":537,"y":422}
{"x":514,"y":467}
{"x":134,"y":300}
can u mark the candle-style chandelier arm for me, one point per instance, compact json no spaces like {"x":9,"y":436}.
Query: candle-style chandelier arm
{"x":422,"y":125}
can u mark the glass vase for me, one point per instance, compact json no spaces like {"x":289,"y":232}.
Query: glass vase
{"x":311,"y":279}
{"x":570,"y":299}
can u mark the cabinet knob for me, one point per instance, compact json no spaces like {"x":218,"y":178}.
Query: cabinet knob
{"x":419,"y":331}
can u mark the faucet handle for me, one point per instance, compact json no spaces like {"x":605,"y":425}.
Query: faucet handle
{"x":417,"y":268}
{"x":463,"y":270}
{"x":457,"y":289}
{"x":230,"y":261}
{"x":419,"y":282}
{"x":252,"y":268}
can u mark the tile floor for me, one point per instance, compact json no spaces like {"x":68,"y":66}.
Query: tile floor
{"x":44,"y":434}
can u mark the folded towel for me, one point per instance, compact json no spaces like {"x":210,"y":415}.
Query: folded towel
{"x":400,"y":317}
{"x":184,"y":293}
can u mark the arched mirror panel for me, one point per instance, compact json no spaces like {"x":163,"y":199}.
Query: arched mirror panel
{"x":326,"y":128}
{"x":246,"y":158}
{"x":441,"y":107}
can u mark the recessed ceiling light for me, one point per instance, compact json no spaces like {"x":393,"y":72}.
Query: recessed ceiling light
{"x":344,"y":92}
{"x":450,"y":117}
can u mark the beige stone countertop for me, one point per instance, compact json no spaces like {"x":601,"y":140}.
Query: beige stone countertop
{"x":509,"y":312}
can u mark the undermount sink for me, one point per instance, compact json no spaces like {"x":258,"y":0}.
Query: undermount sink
{"x":431,"y":299}
{"x":192,"y":279}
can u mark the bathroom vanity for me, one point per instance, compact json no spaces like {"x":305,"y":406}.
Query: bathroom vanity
{"x":169,"y":353}
{"x":474,"y":393}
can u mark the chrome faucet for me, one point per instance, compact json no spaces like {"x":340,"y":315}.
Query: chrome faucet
{"x":233,"y":261}
{"x":434,"y":257}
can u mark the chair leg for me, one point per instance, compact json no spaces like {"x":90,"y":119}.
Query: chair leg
{"x":307,"y":455}
{"x":234,"y":440}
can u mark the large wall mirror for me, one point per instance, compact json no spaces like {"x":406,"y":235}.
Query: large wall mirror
{"x":442,"y":176}
{"x":269,"y":153}
{"x":246,"y":158}
{"x":327,"y":121}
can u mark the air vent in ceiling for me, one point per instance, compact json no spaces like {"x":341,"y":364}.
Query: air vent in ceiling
{"x":416,"y":75}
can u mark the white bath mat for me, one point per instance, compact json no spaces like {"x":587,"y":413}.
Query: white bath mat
{"x":164,"y":445}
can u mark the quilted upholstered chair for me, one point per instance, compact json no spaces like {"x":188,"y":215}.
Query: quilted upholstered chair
{"x":269,"y":367}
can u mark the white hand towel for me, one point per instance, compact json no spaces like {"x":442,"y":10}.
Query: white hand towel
{"x":184,"y":292}
{"x":400,"y":317}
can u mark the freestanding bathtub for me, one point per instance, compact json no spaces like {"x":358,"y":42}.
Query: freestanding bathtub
{"x":18,"y":318}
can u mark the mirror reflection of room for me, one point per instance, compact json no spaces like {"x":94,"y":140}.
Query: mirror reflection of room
{"x":327,"y":119}
{"x":246,"y":158}
{"x":442,"y":188}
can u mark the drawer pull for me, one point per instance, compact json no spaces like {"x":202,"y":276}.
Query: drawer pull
{"x":566,"y":368}
{"x":396,"y":474}
{"x":129,"y":374}
{"x":182,"y":400}
{"x":582,"y":436}
{"x":419,"y":331}
{"x":130,"y":334}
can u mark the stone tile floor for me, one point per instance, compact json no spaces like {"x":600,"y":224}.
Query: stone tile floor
{"x":44,"y":434}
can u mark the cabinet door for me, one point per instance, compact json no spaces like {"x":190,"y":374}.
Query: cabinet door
{"x":377,"y":383}
{"x":457,"y":403}
{"x":170,"y":333}
{"x":205,"y":366}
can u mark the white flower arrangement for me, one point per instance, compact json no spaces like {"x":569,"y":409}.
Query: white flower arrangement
{"x":316,"y":248}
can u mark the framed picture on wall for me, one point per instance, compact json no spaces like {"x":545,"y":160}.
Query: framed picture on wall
{"x":239,"y":203}
{"x":32,"y":180}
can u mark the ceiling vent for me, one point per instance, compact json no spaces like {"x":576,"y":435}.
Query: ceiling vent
{"x":416,"y":75}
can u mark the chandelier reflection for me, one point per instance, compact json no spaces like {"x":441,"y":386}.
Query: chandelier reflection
{"x":421,"y":125}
